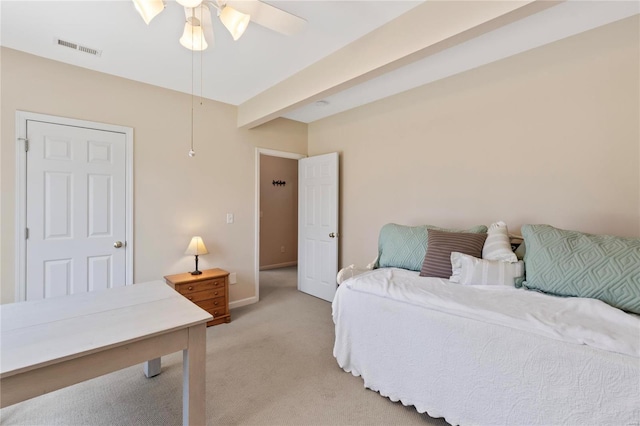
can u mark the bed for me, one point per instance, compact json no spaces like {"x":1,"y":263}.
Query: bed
{"x":487,"y":354}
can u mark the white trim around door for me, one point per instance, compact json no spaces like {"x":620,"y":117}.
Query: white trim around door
{"x":21,"y":189}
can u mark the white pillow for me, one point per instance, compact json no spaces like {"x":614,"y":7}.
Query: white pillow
{"x":469,"y":270}
{"x":497,"y":246}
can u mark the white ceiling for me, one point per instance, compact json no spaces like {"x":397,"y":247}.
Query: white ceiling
{"x":234,"y":72}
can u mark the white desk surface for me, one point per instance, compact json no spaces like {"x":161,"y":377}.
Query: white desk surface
{"x":42,"y":332}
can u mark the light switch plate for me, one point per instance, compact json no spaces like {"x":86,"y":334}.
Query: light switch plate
{"x":232,"y":278}
{"x":229,"y":217}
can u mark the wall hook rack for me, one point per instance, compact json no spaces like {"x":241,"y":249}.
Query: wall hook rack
{"x":279,"y":183}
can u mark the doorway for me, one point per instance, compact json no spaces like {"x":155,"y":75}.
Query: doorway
{"x":276,"y":211}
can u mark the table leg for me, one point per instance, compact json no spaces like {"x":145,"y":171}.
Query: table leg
{"x":152,"y":367}
{"x":193,"y":377}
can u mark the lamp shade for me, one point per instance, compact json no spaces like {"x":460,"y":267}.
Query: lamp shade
{"x":236,"y":22}
{"x":196,"y":246}
{"x":148,"y":9}
{"x":193,"y":38}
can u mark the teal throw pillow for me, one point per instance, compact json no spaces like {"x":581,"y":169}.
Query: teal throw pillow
{"x":572,"y":263}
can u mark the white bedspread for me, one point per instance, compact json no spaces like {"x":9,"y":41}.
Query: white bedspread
{"x":572,"y":319}
{"x":488,"y":356}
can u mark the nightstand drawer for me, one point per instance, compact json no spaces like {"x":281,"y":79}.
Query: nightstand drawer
{"x":218,"y":303}
{"x":205,"y":295}
{"x":217,"y":313}
{"x":186,"y":288}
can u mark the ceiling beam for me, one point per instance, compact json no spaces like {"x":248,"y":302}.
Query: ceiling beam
{"x":423,"y":31}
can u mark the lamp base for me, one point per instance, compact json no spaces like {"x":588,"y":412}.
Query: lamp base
{"x":196,"y":272}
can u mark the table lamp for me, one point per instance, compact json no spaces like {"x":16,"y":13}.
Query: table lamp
{"x":196,"y":247}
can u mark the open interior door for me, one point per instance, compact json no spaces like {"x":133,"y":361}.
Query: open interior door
{"x":318,"y":225}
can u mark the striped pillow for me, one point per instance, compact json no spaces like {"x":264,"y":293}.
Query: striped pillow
{"x":468,"y":270}
{"x":437,"y":261}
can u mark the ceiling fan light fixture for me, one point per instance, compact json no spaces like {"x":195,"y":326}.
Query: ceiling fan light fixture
{"x":236,"y":22}
{"x":148,"y":9}
{"x":189,"y":3}
{"x":193,"y":38}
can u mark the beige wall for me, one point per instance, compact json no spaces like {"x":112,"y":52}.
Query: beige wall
{"x":279,"y":211}
{"x":175,"y":197}
{"x":547,"y":136}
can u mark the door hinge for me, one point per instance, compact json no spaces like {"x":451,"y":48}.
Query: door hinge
{"x":26,"y":144}
{"x":26,"y":233}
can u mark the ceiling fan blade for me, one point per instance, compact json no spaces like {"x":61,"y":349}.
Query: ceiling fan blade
{"x":270,"y":16}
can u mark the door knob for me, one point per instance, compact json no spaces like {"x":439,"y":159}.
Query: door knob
{"x":117,"y":244}
{"x":332,"y":235}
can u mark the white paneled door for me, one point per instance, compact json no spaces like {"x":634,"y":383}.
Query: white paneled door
{"x":318,"y":225}
{"x":75,"y":210}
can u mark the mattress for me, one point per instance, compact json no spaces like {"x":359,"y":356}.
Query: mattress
{"x":478,"y":355}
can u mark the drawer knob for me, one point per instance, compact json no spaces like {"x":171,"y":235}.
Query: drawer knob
{"x":190,"y":288}
{"x":190,"y":297}
{"x":215,"y":303}
{"x":215,"y":313}
{"x":215,"y":294}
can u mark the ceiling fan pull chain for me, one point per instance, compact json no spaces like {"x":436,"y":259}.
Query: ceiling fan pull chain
{"x":201,"y":60}
{"x":192,"y":152}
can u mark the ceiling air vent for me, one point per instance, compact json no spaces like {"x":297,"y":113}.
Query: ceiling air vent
{"x":78,"y":47}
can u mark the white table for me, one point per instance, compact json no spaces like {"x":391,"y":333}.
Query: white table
{"x":49,"y":344}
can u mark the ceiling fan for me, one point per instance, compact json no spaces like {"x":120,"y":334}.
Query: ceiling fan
{"x":234,"y":15}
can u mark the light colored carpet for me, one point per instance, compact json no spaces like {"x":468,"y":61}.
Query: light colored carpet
{"x":272,"y":365}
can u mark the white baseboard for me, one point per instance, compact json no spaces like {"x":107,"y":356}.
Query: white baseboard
{"x":279,"y":265}
{"x":254,"y":299}
{"x":243,"y":302}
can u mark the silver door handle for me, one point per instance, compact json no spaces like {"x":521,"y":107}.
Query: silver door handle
{"x":117,"y":244}
{"x":332,"y":235}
